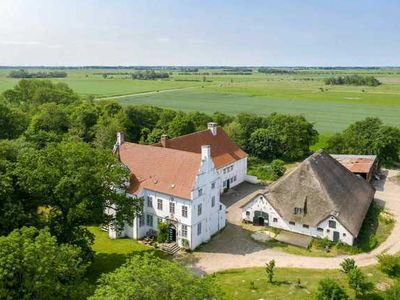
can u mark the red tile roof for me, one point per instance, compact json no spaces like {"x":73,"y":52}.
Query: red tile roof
{"x":159,"y":169}
{"x":356,"y":163}
{"x":224,"y":150}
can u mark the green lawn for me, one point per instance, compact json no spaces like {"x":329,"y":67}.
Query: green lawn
{"x":112,"y":253}
{"x":237,"y":283}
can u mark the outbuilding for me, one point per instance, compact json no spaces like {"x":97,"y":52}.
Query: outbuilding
{"x":320,"y":198}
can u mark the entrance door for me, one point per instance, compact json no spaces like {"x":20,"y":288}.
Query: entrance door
{"x":171,"y":233}
{"x":336,"y":236}
{"x":260,"y":218}
{"x":228,"y":184}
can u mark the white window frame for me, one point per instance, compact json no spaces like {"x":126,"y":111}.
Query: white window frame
{"x":184,"y":211}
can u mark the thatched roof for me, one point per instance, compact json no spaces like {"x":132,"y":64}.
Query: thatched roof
{"x":323,"y":187}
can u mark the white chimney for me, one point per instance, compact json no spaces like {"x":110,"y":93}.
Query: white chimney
{"x":120,"y":138}
{"x":205,"y":152}
{"x":164,"y":140}
{"x":212,"y":126}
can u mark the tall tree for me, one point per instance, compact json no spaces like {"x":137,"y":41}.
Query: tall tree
{"x":76,"y":183}
{"x":34,"y":266}
{"x":149,"y":277}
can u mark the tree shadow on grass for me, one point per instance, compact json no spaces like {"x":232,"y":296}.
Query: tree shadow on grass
{"x":107,"y":262}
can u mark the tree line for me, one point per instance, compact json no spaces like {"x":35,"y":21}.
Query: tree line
{"x":149,"y":75}
{"x":21,"y":73}
{"x":352,"y":80}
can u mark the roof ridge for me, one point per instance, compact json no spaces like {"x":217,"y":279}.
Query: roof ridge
{"x":188,"y":134}
{"x":165,"y":148}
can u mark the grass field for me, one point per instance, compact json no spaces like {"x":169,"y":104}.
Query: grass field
{"x":237,"y":283}
{"x":331,"y":108}
{"x":110,"y":254}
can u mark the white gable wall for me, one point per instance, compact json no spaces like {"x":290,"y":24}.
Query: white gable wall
{"x":212,"y":217}
{"x":260,"y":203}
{"x":234,"y":172}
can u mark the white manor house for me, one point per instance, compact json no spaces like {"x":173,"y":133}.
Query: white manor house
{"x":181,"y":180}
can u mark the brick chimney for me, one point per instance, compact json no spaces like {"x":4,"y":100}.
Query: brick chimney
{"x":205,"y":152}
{"x":120,"y":138}
{"x":164,"y":140}
{"x":212,"y":126}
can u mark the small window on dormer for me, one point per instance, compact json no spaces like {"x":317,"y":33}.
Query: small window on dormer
{"x":298,"y":211}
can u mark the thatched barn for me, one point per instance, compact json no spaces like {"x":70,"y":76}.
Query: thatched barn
{"x":319,"y":198}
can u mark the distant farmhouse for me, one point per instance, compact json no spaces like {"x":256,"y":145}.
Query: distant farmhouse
{"x":320,"y":198}
{"x":181,"y":181}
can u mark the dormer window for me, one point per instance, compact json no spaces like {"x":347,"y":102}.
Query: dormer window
{"x":298,"y":211}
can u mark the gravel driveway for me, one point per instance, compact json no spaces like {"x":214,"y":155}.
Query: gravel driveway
{"x":233,"y":248}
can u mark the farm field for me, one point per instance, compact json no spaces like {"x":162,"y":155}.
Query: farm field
{"x":331,"y":108}
{"x":328,"y":116}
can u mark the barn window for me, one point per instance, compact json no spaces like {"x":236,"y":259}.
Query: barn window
{"x":292,"y":223}
{"x":332,"y":224}
{"x":306,"y":226}
{"x":275,"y":220}
{"x":344,"y":234}
{"x":320,"y":229}
{"x":247,"y":213}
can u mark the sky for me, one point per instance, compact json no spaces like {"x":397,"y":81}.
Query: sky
{"x":203,"y":32}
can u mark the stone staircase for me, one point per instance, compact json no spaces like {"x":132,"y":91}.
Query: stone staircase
{"x":170,"y":248}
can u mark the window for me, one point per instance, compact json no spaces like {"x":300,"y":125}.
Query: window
{"x":184,"y":230}
{"x":149,"y":220}
{"x":159,"y":220}
{"x":234,"y":178}
{"x":247,"y":213}
{"x":320,"y":229}
{"x":225,"y":171}
{"x":200,"y":192}
{"x":298,"y":211}
{"x":172,"y":207}
{"x":344,"y":234}
{"x":213,"y":185}
{"x":306,"y":226}
{"x":220,"y":207}
{"x":225,"y":183}
{"x":198,"y":228}
{"x":184,"y":211}
{"x":332,"y":224}
{"x":231,"y":168}
{"x":141,"y":220}
{"x":199,"y":208}
{"x":231,"y":179}
{"x":159,"y":204}
{"x":292,"y":223}
{"x":149,"y":201}
{"x":328,"y":231}
{"x":212,"y":201}
{"x":274,"y":220}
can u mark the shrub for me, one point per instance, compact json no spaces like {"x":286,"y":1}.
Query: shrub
{"x":162,"y":232}
{"x":389,"y":264}
{"x":393,"y":293}
{"x":348,"y":264}
{"x":357,"y":282}
{"x":328,"y":289}
{"x":269,"y":268}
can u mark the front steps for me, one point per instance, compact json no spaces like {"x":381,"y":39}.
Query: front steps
{"x":170,"y":248}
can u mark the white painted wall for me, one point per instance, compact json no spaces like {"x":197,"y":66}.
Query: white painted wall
{"x":212,"y":217}
{"x":235,"y":172}
{"x":260,"y":203}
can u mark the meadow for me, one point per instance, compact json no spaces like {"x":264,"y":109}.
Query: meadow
{"x":331,"y":108}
